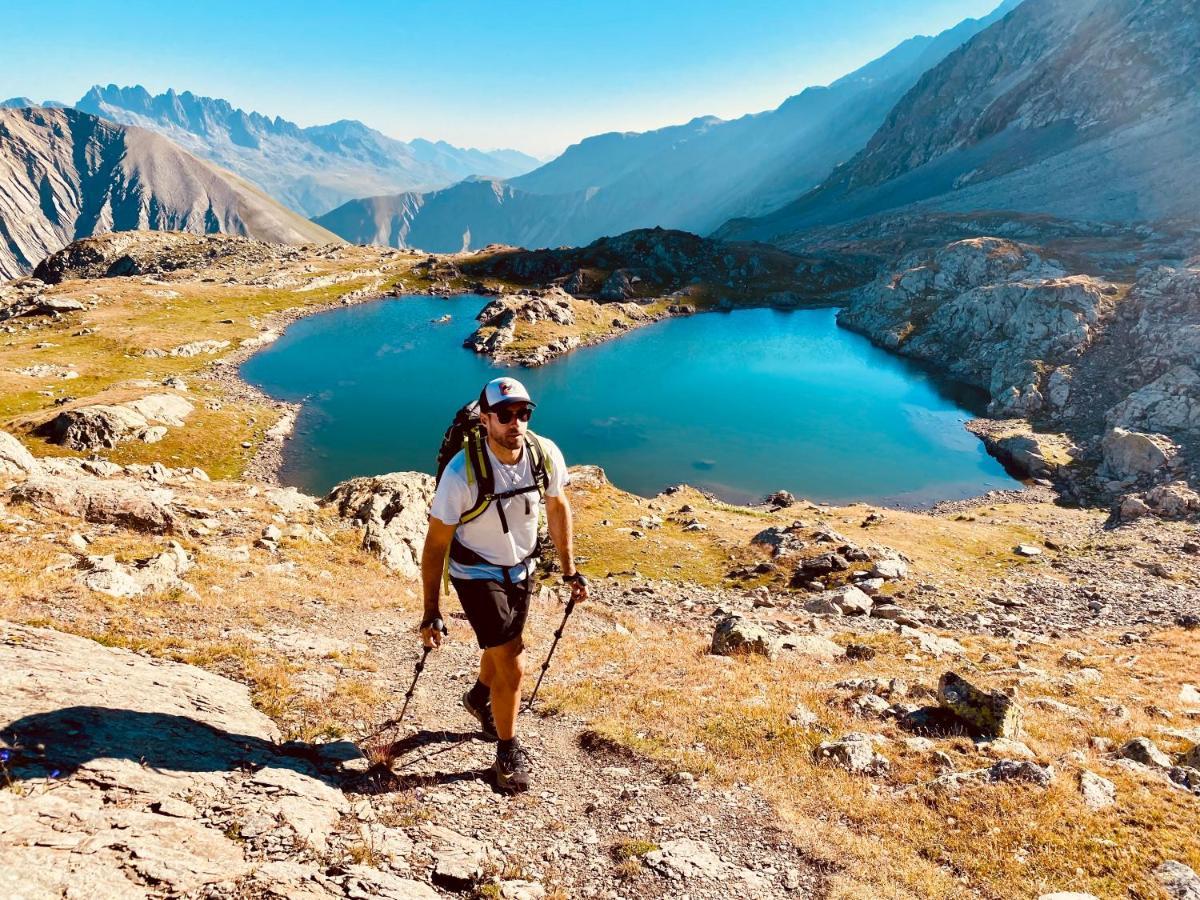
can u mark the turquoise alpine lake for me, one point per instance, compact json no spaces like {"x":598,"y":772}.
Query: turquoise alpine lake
{"x":740,"y":403}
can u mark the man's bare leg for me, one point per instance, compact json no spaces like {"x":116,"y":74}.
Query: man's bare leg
{"x":487,"y":669}
{"x":504,"y":665}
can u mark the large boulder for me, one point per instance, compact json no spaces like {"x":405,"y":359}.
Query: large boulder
{"x":394,"y":512}
{"x":1145,"y":751}
{"x":128,"y":504}
{"x":1133,"y":454}
{"x":14,"y":458}
{"x":100,"y":426}
{"x":734,"y":634}
{"x":847,"y":600}
{"x":991,"y":714}
{"x":854,"y":752}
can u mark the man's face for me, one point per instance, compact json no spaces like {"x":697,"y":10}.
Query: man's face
{"x":511,"y":434}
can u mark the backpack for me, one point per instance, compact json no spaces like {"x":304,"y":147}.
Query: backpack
{"x":466,"y":433}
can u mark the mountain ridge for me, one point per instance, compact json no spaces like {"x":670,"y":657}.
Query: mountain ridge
{"x":692,"y":176}
{"x":1076,"y":110}
{"x":310,"y":169}
{"x":65,"y":174}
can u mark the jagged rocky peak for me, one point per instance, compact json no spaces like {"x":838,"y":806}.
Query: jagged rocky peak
{"x":311,"y":170}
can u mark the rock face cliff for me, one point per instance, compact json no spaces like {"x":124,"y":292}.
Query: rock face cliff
{"x":65,"y":175}
{"x":310,"y":170}
{"x":991,"y":312}
{"x":1083,"y":109}
{"x":691,"y":176}
{"x":1113,"y":367}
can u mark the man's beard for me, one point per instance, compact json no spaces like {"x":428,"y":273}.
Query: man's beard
{"x":509,"y":441}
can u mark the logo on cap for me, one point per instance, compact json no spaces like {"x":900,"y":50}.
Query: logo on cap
{"x":507,"y":387}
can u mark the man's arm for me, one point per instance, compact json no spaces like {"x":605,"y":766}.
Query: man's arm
{"x":558,"y":517}
{"x":433,"y":561}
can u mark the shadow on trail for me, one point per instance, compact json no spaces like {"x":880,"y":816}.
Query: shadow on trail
{"x":65,"y":740}
{"x":417,"y":748}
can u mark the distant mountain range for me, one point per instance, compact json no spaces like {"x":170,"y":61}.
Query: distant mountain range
{"x":1081,"y":109}
{"x":21,"y":102}
{"x":693,"y":176}
{"x":1076,"y":109}
{"x":65,"y":175}
{"x":310,"y":169}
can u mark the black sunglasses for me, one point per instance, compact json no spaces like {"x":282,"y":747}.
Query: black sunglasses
{"x":506,"y":414}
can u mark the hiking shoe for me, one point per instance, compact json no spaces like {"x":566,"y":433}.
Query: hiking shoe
{"x":512,"y":768}
{"x":487,"y":724}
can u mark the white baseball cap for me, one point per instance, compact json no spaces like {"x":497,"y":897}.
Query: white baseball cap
{"x":500,"y":391}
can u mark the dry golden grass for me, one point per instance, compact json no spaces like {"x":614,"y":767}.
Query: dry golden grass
{"x":952,"y":552}
{"x":659,"y":692}
{"x":230,"y":624}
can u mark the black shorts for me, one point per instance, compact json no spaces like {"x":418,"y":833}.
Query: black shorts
{"x":496,"y":611}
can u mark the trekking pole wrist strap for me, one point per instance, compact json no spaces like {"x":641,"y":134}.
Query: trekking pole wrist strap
{"x":436,"y":623}
{"x":576,"y":578}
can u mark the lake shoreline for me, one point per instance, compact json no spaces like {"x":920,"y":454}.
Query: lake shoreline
{"x":269,"y":461}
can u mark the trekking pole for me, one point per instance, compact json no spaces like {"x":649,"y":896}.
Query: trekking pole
{"x":546,"y":665}
{"x":438,"y":625}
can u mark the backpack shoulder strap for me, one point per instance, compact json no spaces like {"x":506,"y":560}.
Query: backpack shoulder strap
{"x":540,"y":462}
{"x":479,"y":473}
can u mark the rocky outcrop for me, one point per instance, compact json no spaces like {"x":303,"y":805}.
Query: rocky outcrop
{"x":1159,"y":333}
{"x":1022,"y":450}
{"x":152,"y":778}
{"x":1174,"y":500}
{"x":154,"y":574}
{"x":1169,"y":403}
{"x":126,"y":253}
{"x":14,"y":458}
{"x":498,"y":320}
{"x":562,"y":318}
{"x":393,"y":511}
{"x":127,"y":504}
{"x":106,"y":425}
{"x":989,"y":311}
{"x":101,"y":426}
{"x":657,"y":262}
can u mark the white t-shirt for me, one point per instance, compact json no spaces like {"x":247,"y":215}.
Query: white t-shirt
{"x":485,"y":534}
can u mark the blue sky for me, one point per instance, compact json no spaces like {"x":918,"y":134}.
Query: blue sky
{"x":530,"y":74}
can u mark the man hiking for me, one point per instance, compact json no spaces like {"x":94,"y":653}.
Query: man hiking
{"x":485,"y":516}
